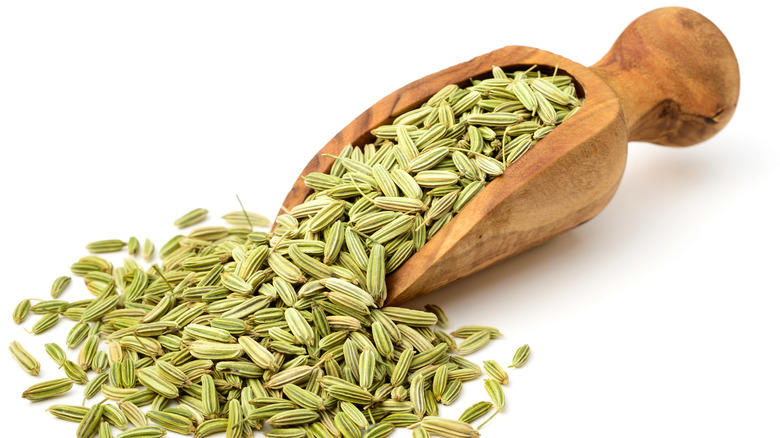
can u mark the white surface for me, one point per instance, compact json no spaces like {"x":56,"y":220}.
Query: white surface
{"x":656,"y":318}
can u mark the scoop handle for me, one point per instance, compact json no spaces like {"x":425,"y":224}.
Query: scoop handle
{"x":675,"y":75}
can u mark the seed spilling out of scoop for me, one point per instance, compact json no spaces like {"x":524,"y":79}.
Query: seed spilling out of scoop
{"x":237,"y":327}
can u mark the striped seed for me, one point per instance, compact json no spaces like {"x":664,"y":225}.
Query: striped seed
{"x":75,"y":372}
{"x":416,"y":318}
{"x":45,"y":323}
{"x":73,"y":413}
{"x":468,"y":330}
{"x":56,"y":353}
{"x":104,"y":430}
{"x":88,"y":352}
{"x":420,"y":433}
{"x":133,"y":413}
{"x":24,"y":359}
{"x":147,"y":251}
{"x":345,"y":426}
{"x":114,"y":416}
{"x":210,"y":427}
{"x":293,"y":417}
{"x":172,"y":422}
{"x":48,"y":389}
{"x":99,"y":362}
{"x":366,"y":368}
{"x":495,"y":372}
{"x":151,"y":378}
{"x":286,"y":432}
{"x":103,"y":246}
{"x":520,"y":357}
{"x":21,"y":310}
{"x":440,"y":381}
{"x":475,"y":411}
{"x":88,"y":426}
{"x":309,"y":264}
{"x":93,"y":387}
{"x":401,"y":369}
{"x":354,"y":414}
{"x":59,"y":286}
{"x":215,"y":350}
{"x":143,"y":432}
{"x":327,"y":215}
{"x":285,"y":269}
{"x":417,"y":395}
{"x":474,"y":342}
{"x":240,"y":218}
{"x":448,"y":428}
{"x":406,"y":183}
{"x":496,"y":394}
{"x":451,"y":392}
{"x":191,"y":218}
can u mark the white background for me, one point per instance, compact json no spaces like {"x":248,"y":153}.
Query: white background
{"x":657,"y":318}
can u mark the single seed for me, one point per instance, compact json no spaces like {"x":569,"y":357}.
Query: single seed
{"x":71,"y":413}
{"x":442,"y":320}
{"x":45,"y":323}
{"x":451,"y":392}
{"x":495,"y":372}
{"x":240,"y":218}
{"x":100,"y":362}
{"x":49,"y":306}
{"x":88,"y":426}
{"x":143,"y":432}
{"x":75,"y":372}
{"x":448,"y":428}
{"x":56,"y":353}
{"x":24,"y":359}
{"x":286,"y":432}
{"x":210,"y":427}
{"x":440,"y":381}
{"x":171,"y":421}
{"x":59,"y":286}
{"x":93,"y":387}
{"x":147,"y":252}
{"x":496,"y":394}
{"x":475,"y":411}
{"x":410,"y":317}
{"x":208,"y":234}
{"x":299,"y":327}
{"x":132,"y":246}
{"x":88,"y":352}
{"x":21,"y":310}
{"x":520,"y":357}
{"x":191,"y":218}
{"x":133,"y":413}
{"x":380,"y":430}
{"x":420,"y":433}
{"x":474,"y":342}
{"x":48,"y":389}
{"x":114,"y":416}
{"x":366,"y":368}
{"x":468,"y":330}
{"x":104,"y":430}
{"x":101,"y":246}
{"x":151,"y":378}
{"x":417,"y":395}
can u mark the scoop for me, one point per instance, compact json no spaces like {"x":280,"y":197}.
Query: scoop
{"x":671,"y":78}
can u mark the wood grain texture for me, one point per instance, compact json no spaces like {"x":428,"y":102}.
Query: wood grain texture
{"x":570,"y":175}
{"x":676,"y":75}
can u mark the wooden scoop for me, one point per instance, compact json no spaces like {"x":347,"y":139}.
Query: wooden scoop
{"x":671,"y":78}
